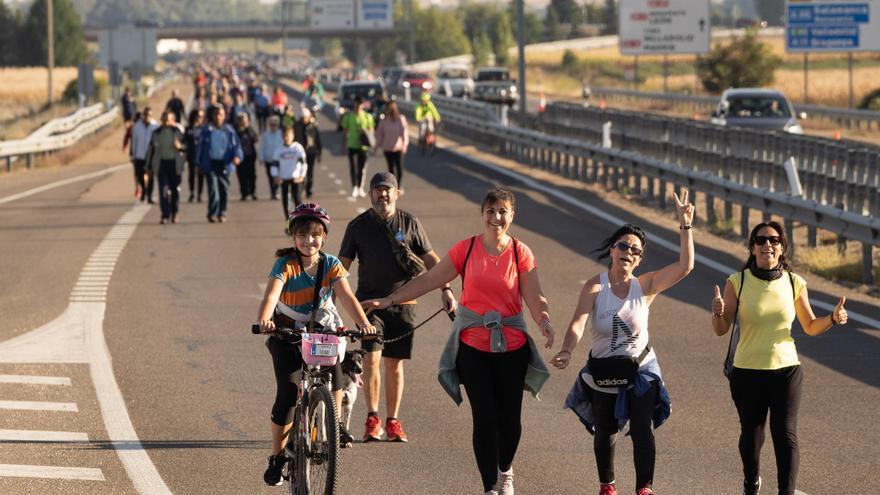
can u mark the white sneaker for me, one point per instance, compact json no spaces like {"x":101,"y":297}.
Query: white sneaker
{"x":491,"y":492}
{"x":504,"y":485}
{"x":354,"y":192}
{"x":362,"y":193}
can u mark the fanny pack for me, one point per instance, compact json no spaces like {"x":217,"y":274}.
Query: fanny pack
{"x":615,"y":371}
{"x":408,"y":261}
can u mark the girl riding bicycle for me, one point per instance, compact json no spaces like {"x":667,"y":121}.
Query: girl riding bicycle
{"x":288,"y":301}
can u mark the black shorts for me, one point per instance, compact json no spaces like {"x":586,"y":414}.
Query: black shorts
{"x":392,"y":323}
{"x":287,"y":361}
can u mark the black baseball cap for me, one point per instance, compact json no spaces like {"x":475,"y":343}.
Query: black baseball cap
{"x":386,"y":179}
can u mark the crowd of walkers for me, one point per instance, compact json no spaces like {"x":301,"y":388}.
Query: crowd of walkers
{"x":235,"y":123}
{"x":233,"y":126}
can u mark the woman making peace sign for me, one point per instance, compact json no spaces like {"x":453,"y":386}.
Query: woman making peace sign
{"x":621,"y":381}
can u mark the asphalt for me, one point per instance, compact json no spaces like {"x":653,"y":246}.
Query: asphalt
{"x":198,"y":386}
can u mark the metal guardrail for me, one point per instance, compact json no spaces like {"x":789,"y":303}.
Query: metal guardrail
{"x":65,"y":131}
{"x":843,"y":174}
{"x":846,"y":117}
{"x":614,"y":168}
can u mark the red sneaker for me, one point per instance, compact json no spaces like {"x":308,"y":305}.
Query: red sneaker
{"x":373,"y":429}
{"x":394,"y":431}
{"x":645,"y":491}
{"x":607,"y":489}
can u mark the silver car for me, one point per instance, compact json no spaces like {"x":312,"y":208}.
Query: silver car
{"x":455,"y":80}
{"x":757,"y":108}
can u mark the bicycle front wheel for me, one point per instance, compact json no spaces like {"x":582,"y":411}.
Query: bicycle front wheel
{"x":321,"y":444}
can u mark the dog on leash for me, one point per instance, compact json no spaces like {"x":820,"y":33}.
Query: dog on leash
{"x":352,"y":368}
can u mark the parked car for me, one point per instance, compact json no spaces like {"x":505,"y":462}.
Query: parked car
{"x":371,"y":91}
{"x":416,"y":81}
{"x":757,"y":108}
{"x":457,"y":79}
{"x":494,"y":85}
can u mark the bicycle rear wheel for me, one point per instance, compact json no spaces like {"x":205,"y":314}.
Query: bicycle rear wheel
{"x":321,"y":444}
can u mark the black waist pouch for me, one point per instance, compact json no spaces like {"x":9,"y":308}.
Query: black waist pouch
{"x":615,"y":371}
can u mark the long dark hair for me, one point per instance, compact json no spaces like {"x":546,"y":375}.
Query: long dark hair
{"x":601,"y":252}
{"x":783,"y":263}
{"x":193,"y":116}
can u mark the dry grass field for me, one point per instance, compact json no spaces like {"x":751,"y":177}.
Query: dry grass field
{"x":828,"y":75}
{"x":24,"y":88}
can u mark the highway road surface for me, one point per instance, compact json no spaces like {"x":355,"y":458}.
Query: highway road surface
{"x":127,"y":363}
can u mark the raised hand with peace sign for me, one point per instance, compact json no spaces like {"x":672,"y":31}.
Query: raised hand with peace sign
{"x":685,"y":209}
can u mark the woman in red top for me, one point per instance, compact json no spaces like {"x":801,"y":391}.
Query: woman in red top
{"x":498,"y":275}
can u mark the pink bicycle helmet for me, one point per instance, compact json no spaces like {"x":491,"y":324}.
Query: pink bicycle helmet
{"x":308,"y":210}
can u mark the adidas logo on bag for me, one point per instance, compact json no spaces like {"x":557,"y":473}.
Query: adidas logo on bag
{"x":612,"y":382}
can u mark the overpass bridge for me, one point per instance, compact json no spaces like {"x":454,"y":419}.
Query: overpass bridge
{"x":253,"y":30}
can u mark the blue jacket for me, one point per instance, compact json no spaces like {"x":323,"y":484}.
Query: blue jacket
{"x":233,"y":148}
{"x":579,"y":402}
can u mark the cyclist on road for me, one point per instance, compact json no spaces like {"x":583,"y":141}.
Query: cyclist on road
{"x":372,"y":238}
{"x":427,"y":116}
{"x":622,"y":381}
{"x":313,"y":93}
{"x":288,"y":301}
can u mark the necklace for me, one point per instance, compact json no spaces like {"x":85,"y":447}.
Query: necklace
{"x":497,"y":257}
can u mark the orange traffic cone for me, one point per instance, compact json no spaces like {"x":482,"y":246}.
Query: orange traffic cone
{"x":542,"y":102}
{"x":602,"y":104}
{"x":837,"y":135}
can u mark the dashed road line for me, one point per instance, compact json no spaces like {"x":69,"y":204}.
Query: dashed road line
{"x":42,"y":436}
{"x":27,"y":405}
{"x":50,"y":472}
{"x":35,"y":380}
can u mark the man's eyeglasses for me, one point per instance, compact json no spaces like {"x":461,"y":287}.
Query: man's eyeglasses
{"x":774,"y":240}
{"x":623,"y":246}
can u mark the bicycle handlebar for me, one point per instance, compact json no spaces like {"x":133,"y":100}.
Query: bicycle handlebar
{"x":355,"y":334}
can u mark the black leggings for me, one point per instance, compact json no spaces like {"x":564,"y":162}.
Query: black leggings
{"x":287,"y":362}
{"x":357,"y":163}
{"x":395,"y":165}
{"x":494,"y":386}
{"x":641,"y":430}
{"x":755,"y":393}
{"x":290,"y":188}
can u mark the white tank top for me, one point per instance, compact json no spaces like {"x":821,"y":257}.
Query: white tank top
{"x":619,"y":326}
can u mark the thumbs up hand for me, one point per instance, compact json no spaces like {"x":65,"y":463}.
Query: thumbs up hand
{"x":717,"y":303}
{"x":838,"y":316}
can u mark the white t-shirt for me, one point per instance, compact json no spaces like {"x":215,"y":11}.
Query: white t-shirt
{"x":291,"y":162}
{"x":619,"y":326}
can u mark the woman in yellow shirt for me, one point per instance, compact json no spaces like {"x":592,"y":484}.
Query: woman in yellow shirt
{"x":766,"y":374}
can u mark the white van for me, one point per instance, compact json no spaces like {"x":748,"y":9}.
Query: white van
{"x":456,"y":79}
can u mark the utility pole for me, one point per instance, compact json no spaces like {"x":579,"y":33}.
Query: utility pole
{"x":284,"y":33}
{"x":521,"y":45}
{"x":50,"y":35}
{"x":412,"y":32}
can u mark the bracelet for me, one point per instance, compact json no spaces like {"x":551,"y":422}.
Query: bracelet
{"x":685,"y":227}
{"x":563,"y":350}
{"x":831,"y":317}
{"x":446,"y":288}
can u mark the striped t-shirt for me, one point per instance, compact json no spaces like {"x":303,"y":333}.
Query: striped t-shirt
{"x":299,"y":288}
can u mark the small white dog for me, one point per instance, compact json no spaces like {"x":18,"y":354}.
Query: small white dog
{"x":352,"y":368}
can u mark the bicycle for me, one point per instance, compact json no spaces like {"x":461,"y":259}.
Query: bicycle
{"x":312,"y":449}
{"x":428,"y":137}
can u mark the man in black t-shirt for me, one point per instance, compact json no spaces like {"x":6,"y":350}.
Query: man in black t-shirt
{"x":367,"y":238}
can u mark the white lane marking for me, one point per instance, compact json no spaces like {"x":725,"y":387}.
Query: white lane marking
{"x":36,"y":380}
{"x":63,"y":182}
{"x":331,"y":175}
{"x":26,"y":405}
{"x":608,"y":217}
{"x":338,"y":182}
{"x":50,"y":472}
{"x":42,"y":436}
{"x":349,"y":199}
{"x":78,"y":336}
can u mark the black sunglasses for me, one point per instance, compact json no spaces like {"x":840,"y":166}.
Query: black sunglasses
{"x":623,"y":246}
{"x":774,"y":240}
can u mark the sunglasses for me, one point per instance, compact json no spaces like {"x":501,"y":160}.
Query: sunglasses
{"x":623,"y":246}
{"x":774,"y":240}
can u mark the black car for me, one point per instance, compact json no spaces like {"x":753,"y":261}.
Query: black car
{"x":371,"y":91}
{"x":494,"y":85}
